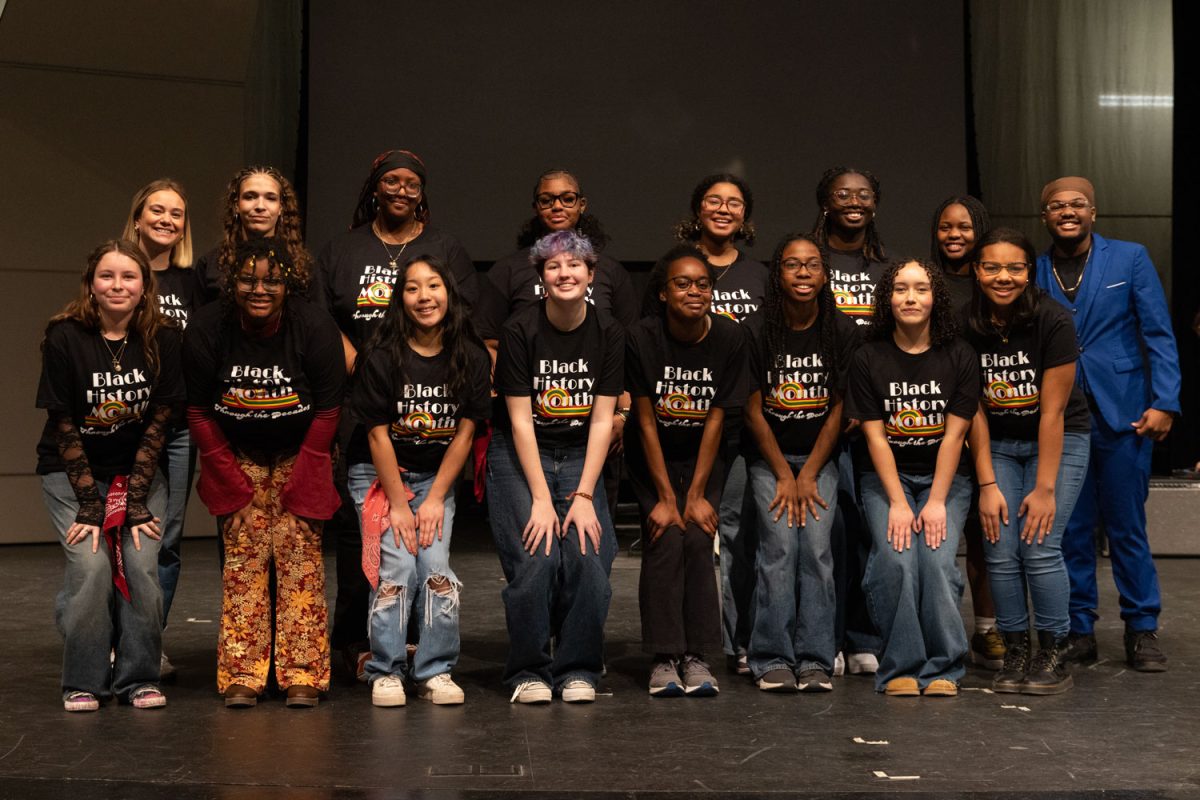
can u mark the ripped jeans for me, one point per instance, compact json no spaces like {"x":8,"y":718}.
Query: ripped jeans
{"x":405,"y":585}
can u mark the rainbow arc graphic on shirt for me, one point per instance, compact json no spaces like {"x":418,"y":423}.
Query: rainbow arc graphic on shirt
{"x":678,"y":405}
{"x":726,"y":314}
{"x":555,"y":402}
{"x":108,"y":414}
{"x":911,"y":422}
{"x":848,"y":304}
{"x":420,"y":423}
{"x":259,"y":399}
{"x":378,"y":293}
{"x":791,"y":396}
{"x":1000,"y":394}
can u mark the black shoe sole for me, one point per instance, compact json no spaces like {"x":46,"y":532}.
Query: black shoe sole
{"x":1007,"y":688}
{"x":1049,"y":688}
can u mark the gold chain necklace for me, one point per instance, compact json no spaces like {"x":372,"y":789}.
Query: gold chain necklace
{"x":116,"y":357}
{"x":391,"y":259}
{"x":1067,"y":292}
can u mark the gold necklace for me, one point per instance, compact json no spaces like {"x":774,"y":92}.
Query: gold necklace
{"x":391,"y":259}
{"x":1079,"y":282}
{"x":116,"y":357}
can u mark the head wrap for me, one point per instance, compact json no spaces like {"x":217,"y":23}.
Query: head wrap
{"x":396,"y":159}
{"x":1069,"y":184}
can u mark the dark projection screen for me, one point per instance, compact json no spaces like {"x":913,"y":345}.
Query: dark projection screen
{"x":640,"y":100}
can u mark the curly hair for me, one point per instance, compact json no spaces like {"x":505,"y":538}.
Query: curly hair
{"x":288,"y":228}
{"x":147,"y":320}
{"x":656,"y":280}
{"x":366,"y":209}
{"x":392,"y":334}
{"x":557,"y":242}
{"x":775,"y":325}
{"x":588,"y":225}
{"x":181,"y":253}
{"x":689,"y":230}
{"x":272,"y":250}
{"x":873,"y":249}
{"x":942,"y":324}
{"x":980,"y":221}
{"x":979,"y":318}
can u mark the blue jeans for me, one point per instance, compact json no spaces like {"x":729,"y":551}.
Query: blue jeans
{"x":178,"y":462}
{"x":739,"y":541}
{"x":914,"y":595}
{"x":564,"y":595}
{"x":854,"y":630}
{"x":91,"y":614}
{"x":404,"y":585}
{"x":794,"y":597}
{"x":1011,"y":563}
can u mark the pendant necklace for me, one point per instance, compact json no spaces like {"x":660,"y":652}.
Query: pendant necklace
{"x":392,"y":259}
{"x":116,"y":357}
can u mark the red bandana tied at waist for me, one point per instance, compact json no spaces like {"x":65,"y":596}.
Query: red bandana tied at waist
{"x":114,"y":520}
{"x":376,"y":522}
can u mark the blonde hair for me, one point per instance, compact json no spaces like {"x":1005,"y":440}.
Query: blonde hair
{"x":181,"y":253}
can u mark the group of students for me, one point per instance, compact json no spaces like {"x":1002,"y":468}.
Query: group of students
{"x":788,"y":411}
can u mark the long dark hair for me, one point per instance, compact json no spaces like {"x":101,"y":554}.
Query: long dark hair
{"x":688,"y":230}
{"x":395,"y":329}
{"x":873,"y":249}
{"x":1024,"y":307}
{"x":657,"y":278}
{"x":775,"y":324}
{"x":535,"y":229}
{"x":980,"y":221}
{"x":942,"y":325}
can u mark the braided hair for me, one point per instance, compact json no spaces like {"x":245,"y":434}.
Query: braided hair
{"x":288,"y":230}
{"x":588,"y":225}
{"x":873,"y":249}
{"x":775,"y":324}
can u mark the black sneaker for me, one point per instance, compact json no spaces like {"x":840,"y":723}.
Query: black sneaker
{"x":1080,"y":649}
{"x":1142,"y":653}
{"x":1047,"y":674}
{"x":814,"y":680}
{"x":1011,"y":676}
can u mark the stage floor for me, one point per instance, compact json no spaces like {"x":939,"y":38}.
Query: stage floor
{"x":1118,"y":734}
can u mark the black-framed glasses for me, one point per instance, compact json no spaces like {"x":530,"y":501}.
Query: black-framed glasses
{"x":682,"y":283}
{"x":846,"y":195}
{"x":247,"y":283}
{"x":813,"y":266}
{"x":1078,"y":204}
{"x":713,"y":202}
{"x":1015,"y":269}
{"x":566,"y":199}
{"x":394,"y":186}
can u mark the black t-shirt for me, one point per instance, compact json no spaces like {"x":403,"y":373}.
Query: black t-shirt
{"x":1070,"y":272}
{"x":419,"y":410}
{"x":912,"y":393}
{"x":356,"y":277}
{"x":176,"y":293}
{"x":561,"y":372}
{"x":959,"y":287}
{"x":264,"y":391}
{"x":684,"y":380}
{"x":206,"y":277}
{"x":797,"y":387}
{"x":853,"y":279}
{"x":108,"y":407}
{"x":1011,"y":373}
{"x":513,"y":284}
{"x":738,"y":292}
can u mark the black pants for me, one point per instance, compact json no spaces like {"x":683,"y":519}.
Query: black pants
{"x":677,"y":591}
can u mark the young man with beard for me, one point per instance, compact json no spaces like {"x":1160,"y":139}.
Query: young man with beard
{"x":1129,"y":369}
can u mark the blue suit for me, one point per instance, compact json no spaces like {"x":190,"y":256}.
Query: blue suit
{"x":1128,"y":363}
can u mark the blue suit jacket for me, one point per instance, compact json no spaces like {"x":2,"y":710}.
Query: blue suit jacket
{"x":1127,"y":356}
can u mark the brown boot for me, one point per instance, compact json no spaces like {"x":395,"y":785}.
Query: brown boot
{"x":240,"y":696}
{"x":300,"y":696}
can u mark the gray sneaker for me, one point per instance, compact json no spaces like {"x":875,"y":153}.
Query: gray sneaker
{"x":698,"y":680}
{"x":779,"y":680}
{"x":664,"y":679}
{"x":814,"y":680}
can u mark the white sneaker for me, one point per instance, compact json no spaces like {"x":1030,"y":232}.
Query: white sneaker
{"x":531,"y":692}
{"x":862,"y":664}
{"x":839,"y":665}
{"x":388,"y":692}
{"x":165,"y":668}
{"x":578,"y":691}
{"x":441,"y":690}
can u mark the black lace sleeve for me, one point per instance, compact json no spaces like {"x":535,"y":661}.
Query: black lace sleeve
{"x":145,"y":464}
{"x":79,"y":472}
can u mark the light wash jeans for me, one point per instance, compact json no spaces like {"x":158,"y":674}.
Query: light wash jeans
{"x":404,"y":586}
{"x":179,"y":464}
{"x":739,"y":543}
{"x":92,"y":616}
{"x":914,"y":595}
{"x":1012,"y":564}
{"x":794,"y":598}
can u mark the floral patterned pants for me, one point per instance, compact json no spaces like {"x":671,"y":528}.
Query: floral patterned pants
{"x":301,"y":619}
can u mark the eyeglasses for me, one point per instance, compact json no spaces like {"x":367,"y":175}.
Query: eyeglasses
{"x":713,"y":202}
{"x":547,"y":200}
{"x":683,"y":284}
{"x":1016,"y":268}
{"x":813,"y":266}
{"x":395,"y":186}
{"x":247,"y":283}
{"x":846,"y":195}
{"x":1078,"y":204}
